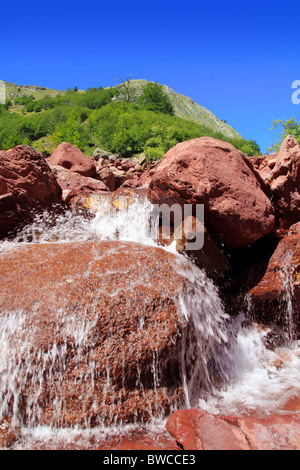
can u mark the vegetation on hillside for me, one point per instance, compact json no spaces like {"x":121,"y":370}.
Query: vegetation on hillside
{"x":101,"y":118}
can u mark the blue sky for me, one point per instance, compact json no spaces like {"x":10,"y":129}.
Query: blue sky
{"x":238,"y":59}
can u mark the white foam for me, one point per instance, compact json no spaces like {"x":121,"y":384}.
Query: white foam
{"x":225,"y":366}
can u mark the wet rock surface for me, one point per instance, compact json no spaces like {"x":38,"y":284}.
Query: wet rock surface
{"x":197,"y":430}
{"x":93,"y":331}
{"x":9,"y":433}
{"x":276,"y":297}
{"x":97,"y":325}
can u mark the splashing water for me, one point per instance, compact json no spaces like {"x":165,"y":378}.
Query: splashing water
{"x":225,"y":366}
{"x":286,"y":275}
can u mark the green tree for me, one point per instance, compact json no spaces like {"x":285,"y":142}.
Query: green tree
{"x":289,"y":127}
{"x":155,"y":99}
{"x":73,"y":131}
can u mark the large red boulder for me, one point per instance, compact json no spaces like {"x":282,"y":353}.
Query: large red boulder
{"x":26,"y":185}
{"x":71,"y":158}
{"x":214,"y":173}
{"x":92,"y":331}
{"x":276,"y":298}
{"x":285,"y":182}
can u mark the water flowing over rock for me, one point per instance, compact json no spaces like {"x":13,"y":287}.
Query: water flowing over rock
{"x":214,"y":173}
{"x":27,"y":185}
{"x":95,"y":332}
{"x":70,"y":157}
{"x":208,"y":257}
{"x":106,"y":337}
{"x":276,"y":297}
{"x":8,"y":432}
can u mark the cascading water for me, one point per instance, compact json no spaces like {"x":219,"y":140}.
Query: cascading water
{"x":225,"y":366}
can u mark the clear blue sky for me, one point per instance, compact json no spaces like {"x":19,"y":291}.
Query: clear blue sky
{"x":236,"y":58}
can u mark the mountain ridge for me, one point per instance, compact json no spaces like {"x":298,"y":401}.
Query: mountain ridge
{"x":184,"y":106}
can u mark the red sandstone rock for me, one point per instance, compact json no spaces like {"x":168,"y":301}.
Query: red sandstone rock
{"x":214,"y":173}
{"x":294,"y":229}
{"x":197,"y":430}
{"x":8,"y":432}
{"x":279,"y":432}
{"x":264,"y":165}
{"x":76,"y":183}
{"x":285,"y":182}
{"x":208,"y":257}
{"x":108,"y":178}
{"x":120,"y":176}
{"x":26,"y":185}
{"x":71,"y":158}
{"x":279,"y":289}
{"x":91,"y":322}
{"x":140,"y":440}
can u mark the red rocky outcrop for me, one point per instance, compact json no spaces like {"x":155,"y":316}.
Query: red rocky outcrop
{"x":281,"y":172}
{"x":70,"y":157}
{"x":27,"y":185}
{"x":97,"y":324}
{"x":276,"y":297}
{"x":285,"y":182}
{"x":214,"y":173}
{"x":77,"y":184}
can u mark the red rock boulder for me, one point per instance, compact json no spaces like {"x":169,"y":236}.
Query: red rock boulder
{"x":76,"y":183}
{"x":276,"y":297}
{"x":27,"y":185}
{"x":71,"y":158}
{"x":197,"y":430}
{"x":214,"y":173}
{"x":108,"y":178}
{"x":94,"y":328}
{"x":285,"y":182}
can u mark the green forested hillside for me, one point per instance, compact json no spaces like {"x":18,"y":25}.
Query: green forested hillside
{"x":127,"y":119}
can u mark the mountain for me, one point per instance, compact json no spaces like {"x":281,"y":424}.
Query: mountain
{"x":112,"y":118}
{"x":184,"y":107}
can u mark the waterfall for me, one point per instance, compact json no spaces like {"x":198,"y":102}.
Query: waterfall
{"x":286,"y":275}
{"x":224,"y":364}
